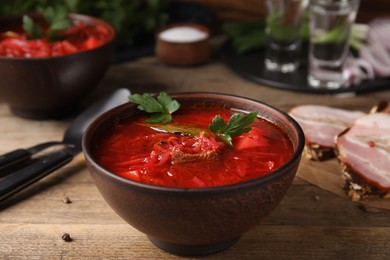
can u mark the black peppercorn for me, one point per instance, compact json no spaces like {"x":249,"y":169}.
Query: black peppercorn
{"x":66,"y":237}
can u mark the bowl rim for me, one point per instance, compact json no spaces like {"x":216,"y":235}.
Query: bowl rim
{"x":73,"y":17}
{"x":87,"y":151}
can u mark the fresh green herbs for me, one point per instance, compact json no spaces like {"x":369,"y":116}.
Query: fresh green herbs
{"x":33,"y":30}
{"x":135,"y":21}
{"x":245,"y":36}
{"x":161,"y":106}
{"x":57,"y":20}
{"x":237,"y":125}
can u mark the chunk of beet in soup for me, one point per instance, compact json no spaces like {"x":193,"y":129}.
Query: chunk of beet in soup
{"x":182,"y":159}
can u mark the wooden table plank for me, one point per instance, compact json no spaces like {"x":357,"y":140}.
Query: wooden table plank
{"x":120,"y":241}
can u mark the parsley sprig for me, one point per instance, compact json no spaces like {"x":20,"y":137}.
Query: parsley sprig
{"x":161,"y":106}
{"x":238,"y":124}
{"x":33,"y":30}
{"x":57,"y":19}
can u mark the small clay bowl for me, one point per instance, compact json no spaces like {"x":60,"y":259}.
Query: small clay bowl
{"x":194,"y":221}
{"x":47,"y":88}
{"x":183,"y":44}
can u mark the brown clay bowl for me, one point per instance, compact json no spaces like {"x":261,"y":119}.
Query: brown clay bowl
{"x":183,"y":50}
{"x":43,"y":88}
{"x":194,"y":221}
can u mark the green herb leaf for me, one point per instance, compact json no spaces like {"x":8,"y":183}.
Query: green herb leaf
{"x":61,"y":24}
{"x":162,"y":107}
{"x":217,"y":126}
{"x":146,"y":103}
{"x":246,"y":36}
{"x":168,"y":103}
{"x":237,"y":125}
{"x":31,"y":28}
{"x":57,"y":19}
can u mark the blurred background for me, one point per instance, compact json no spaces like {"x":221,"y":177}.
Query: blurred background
{"x":137,"y":20}
{"x":253,"y":9}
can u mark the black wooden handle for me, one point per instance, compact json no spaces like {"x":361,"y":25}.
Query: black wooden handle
{"x":14,"y":157}
{"x":22,"y":178}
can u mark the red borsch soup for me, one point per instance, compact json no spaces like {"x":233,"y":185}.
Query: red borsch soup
{"x":182,"y":159}
{"x":80,"y":37}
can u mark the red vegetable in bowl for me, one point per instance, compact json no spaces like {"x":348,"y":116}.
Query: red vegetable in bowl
{"x":154,"y":155}
{"x":79,"y":37}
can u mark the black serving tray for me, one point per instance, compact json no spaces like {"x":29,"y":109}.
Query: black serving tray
{"x":251,"y":66}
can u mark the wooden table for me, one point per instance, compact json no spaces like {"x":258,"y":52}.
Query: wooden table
{"x":309,"y":223}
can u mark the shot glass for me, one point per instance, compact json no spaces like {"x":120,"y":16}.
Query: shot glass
{"x":283,"y":31}
{"x":330,"y":26}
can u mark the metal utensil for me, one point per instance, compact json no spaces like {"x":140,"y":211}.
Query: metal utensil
{"x":22,"y":178}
